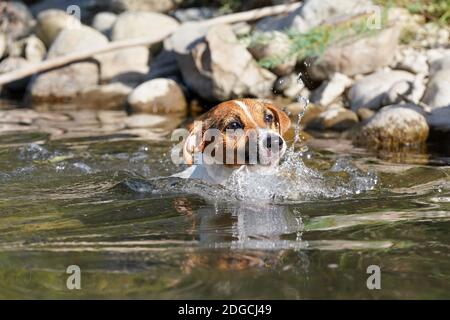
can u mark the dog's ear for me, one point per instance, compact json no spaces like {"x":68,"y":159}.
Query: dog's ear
{"x":194,"y":142}
{"x":281,"y":117}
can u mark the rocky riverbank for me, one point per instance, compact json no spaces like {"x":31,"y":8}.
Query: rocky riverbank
{"x":379,"y":74}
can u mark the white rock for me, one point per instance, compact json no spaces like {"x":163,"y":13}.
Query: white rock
{"x":331,"y":89}
{"x":104,"y":21}
{"x":158,"y":96}
{"x":145,"y":121}
{"x":393,"y":127}
{"x":370,"y":91}
{"x":413,"y":61}
{"x":51,"y":22}
{"x":437,"y":94}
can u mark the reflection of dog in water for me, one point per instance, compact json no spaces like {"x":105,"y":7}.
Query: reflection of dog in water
{"x":255,"y":235}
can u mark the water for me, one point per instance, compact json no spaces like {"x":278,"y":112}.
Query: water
{"x":109,"y":205}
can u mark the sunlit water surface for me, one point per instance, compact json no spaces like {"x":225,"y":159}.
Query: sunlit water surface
{"x":109,"y":205}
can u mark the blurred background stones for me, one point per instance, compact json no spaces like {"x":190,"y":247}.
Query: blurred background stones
{"x":364,"y":65}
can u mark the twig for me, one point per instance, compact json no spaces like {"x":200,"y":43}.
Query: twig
{"x":86,"y":54}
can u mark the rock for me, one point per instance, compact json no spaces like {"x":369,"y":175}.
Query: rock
{"x":313,"y":13}
{"x":413,"y":61}
{"x":360,"y":56}
{"x":103,"y":22}
{"x":133,"y":62}
{"x":2,"y":44}
{"x":334,"y":119}
{"x":30,"y":48}
{"x":15,"y":63}
{"x":219,"y":68}
{"x":437,"y":94}
{"x":16,"y":20}
{"x":142,"y":5}
{"x":400,"y":90}
{"x":365,"y":113}
{"x":393,"y":127}
{"x":158,"y":96}
{"x":311,"y":112}
{"x":439,"y":119}
{"x":331,"y":89}
{"x":194,"y":14}
{"x":84,"y":9}
{"x":51,"y":22}
{"x":274,"y":45}
{"x":291,"y":87}
{"x":105,"y":97}
{"x":145,"y":121}
{"x":141,"y":24}
{"x":68,"y":82}
{"x":370,"y":91}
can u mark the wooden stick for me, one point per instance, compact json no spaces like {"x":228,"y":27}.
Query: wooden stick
{"x":86,"y":54}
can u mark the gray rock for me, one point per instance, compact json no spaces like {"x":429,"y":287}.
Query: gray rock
{"x":219,"y":67}
{"x":104,"y":21}
{"x":331,"y":89}
{"x":2,"y":44}
{"x":439,"y":119}
{"x":194,"y":14}
{"x":164,"y":65}
{"x":313,"y":13}
{"x":394,"y":127}
{"x":30,"y":48}
{"x":51,"y":22}
{"x":370,"y":91}
{"x":158,"y":96}
{"x":133,"y":62}
{"x":337,"y":119}
{"x":11,"y":64}
{"x":105,"y":97}
{"x":359,"y":56}
{"x":275,"y":45}
{"x":437,"y":94}
{"x":68,"y":82}
{"x":143,"y":5}
{"x":17,"y":21}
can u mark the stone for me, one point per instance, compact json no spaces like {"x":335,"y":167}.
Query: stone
{"x":16,"y":20}
{"x":365,"y":113}
{"x":439,"y":119}
{"x":133,"y":62}
{"x":413,"y":61}
{"x":50,"y":23}
{"x":218,"y":66}
{"x":11,"y":64}
{"x":437,"y":94}
{"x":274,"y":45}
{"x":143,"y":5}
{"x":2,"y":44}
{"x":107,"y":96}
{"x":360,"y":56}
{"x":158,"y":96}
{"x":331,"y":89}
{"x":394,"y":127}
{"x":103,"y":22}
{"x":194,"y":14}
{"x":370,"y":91}
{"x":313,"y":13}
{"x":412,"y":91}
{"x":30,"y":48}
{"x":337,"y":119}
{"x":68,"y":82}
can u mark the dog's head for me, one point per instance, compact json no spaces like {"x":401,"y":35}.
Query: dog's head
{"x":237,"y":132}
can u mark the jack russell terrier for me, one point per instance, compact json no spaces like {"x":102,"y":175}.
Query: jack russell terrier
{"x":234,"y":135}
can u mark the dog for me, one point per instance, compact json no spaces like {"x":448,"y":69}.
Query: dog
{"x":235,"y":135}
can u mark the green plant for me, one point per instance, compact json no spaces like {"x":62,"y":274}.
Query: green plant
{"x":437,"y":11}
{"x":314,"y":42}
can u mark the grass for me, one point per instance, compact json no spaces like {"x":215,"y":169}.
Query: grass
{"x":314,"y":42}
{"x":437,"y":11}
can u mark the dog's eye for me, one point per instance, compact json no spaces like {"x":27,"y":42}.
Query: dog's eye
{"x":268,"y":118}
{"x":235,"y":125}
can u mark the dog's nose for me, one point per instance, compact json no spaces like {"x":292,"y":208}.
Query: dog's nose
{"x":273,"y":139}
